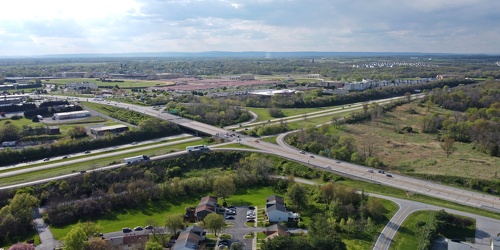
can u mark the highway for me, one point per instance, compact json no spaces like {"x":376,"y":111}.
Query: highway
{"x":409,"y":184}
{"x":281,"y":149}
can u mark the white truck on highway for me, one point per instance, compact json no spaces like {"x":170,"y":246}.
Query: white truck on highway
{"x":196,"y":148}
{"x":135,"y":159}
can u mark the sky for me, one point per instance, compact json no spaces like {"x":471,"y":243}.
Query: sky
{"x":34,"y":27}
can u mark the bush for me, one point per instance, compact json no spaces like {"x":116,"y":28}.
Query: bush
{"x":16,"y":117}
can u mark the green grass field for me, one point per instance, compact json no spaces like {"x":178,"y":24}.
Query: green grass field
{"x":263,"y":113}
{"x":409,"y":152}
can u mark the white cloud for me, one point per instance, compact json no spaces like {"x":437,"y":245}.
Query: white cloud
{"x":112,"y":26}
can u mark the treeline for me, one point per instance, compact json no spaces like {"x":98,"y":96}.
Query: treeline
{"x":148,"y":129}
{"x":18,"y":108}
{"x":215,"y":112}
{"x":480,"y":123}
{"x":124,"y":115}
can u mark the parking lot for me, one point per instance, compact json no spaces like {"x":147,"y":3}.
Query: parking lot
{"x":239,"y":229}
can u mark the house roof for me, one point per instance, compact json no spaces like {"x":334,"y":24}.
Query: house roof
{"x":205,"y":207}
{"x":277,"y":207}
{"x":188,"y":239}
{"x":209,"y":200}
{"x":275,"y":199}
{"x":276,"y":228}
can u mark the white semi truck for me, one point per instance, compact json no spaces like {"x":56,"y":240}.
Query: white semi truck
{"x":196,"y":148}
{"x":135,"y":159}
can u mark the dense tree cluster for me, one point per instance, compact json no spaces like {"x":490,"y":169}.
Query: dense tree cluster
{"x":480,"y":123}
{"x":15,"y":217}
{"x":211,"y":111}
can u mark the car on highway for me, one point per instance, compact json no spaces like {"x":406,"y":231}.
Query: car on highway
{"x":369,"y":170}
{"x":389,"y":175}
{"x":134,"y":143}
{"x":149,"y":227}
{"x":65,"y":157}
{"x":46,"y":159}
{"x":381,"y":172}
{"x":138,"y":228}
{"x":87,"y":152}
{"x":312,"y":156}
{"x":126,"y":230}
{"x":302,"y":152}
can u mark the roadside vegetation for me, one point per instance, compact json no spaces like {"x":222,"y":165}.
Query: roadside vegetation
{"x":401,"y":138}
{"x":115,"y":200}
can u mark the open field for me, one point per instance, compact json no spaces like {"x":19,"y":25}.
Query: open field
{"x":263,"y":113}
{"x":409,"y":153}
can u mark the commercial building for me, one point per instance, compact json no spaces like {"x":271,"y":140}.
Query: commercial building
{"x":71,"y":115}
{"x":115,"y":129}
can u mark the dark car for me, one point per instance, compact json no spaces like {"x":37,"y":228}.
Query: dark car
{"x":46,"y":159}
{"x":388,"y":175}
{"x":87,"y":152}
{"x":312,"y":156}
{"x":138,"y":228}
{"x":229,"y":217}
{"x":126,"y":230}
{"x":65,"y":157}
{"x":149,"y":227}
{"x":381,"y":172}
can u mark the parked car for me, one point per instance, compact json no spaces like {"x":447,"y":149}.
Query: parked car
{"x":126,"y":230}
{"x":138,"y":228}
{"x":251,"y":220}
{"x":229,"y":217}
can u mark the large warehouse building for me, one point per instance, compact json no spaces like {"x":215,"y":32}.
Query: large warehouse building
{"x":71,"y":115}
{"x":115,"y":129}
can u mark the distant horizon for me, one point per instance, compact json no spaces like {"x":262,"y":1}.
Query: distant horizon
{"x":263,"y":54}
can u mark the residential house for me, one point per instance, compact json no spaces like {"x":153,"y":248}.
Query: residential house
{"x":276,"y":210}
{"x":207,"y":205}
{"x":189,"y":239}
{"x":276,"y":230}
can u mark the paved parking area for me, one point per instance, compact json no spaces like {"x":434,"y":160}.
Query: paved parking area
{"x":239,"y":229}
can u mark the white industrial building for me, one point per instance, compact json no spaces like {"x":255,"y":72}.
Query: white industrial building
{"x":70,"y":115}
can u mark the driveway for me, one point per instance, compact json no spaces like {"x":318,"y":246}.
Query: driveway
{"x":46,"y":237}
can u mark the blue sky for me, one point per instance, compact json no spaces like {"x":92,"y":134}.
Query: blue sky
{"x":34,"y":27}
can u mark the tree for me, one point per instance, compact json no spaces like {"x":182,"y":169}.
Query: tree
{"x":224,"y":186}
{"x":237,"y":246}
{"x":174,"y":222}
{"x":328,"y":192}
{"x":96,"y":243}
{"x":376,"y":209}
{"x":76,"y":239}
{"x":77,"y":132}
{"x":214,"y":222}
{"x":448,"y":146}
{"x":153,"y":245}
{"x":297,"y":195}
{"x":22,"y":246}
